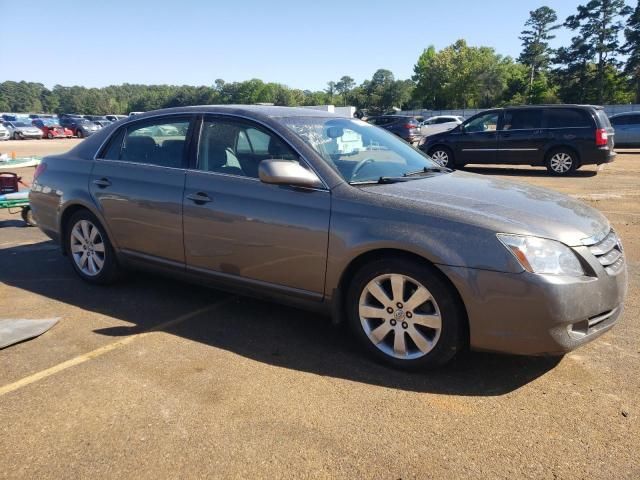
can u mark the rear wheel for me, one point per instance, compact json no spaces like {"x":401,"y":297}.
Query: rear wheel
{"x":442,"y":155}
{"x":562,"y":162}
{"x":405,"y":314}
{"x":89,"y":249}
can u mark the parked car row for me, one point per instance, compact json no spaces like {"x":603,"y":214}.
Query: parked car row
{"x":21,"y":127}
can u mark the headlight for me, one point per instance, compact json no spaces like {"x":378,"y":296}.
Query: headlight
{"x":540,"y":255}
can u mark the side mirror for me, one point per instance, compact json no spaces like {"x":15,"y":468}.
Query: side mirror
{"x":287,"y":172}
{"x":461,"y":127}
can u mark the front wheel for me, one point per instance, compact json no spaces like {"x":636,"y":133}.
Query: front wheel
{"x":442,"y":155}
{"x":405,"y":314}
{"x":90,"y":250}
{"x":79,"y":133}
{"x":562,"y":162}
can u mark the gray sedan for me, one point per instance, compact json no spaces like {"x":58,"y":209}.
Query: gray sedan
{"x":338,"y":216}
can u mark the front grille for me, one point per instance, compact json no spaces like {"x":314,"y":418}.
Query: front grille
{"x":609,"y":253}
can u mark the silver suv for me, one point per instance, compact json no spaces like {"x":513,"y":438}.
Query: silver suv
{"x":339,"y":216}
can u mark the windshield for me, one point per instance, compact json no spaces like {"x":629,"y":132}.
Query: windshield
{"x":49,"y":122}
{"x":20,"y":124}
{"x":358,"y":151}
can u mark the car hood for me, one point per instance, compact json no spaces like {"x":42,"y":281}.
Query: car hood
{"x":500,"y":205}
{"x":27,"y":129}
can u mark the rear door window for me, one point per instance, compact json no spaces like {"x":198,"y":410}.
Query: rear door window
{"x":161,"y":142}
{"x":567,"y":118}
{"x":525,"y":119}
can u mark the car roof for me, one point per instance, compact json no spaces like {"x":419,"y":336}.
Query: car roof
{"x":624,"y":113}
{"x":554,"y":105}
{"x":252,"y":110}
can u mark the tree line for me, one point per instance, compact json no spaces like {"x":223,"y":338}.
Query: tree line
{"x":600,"y":65}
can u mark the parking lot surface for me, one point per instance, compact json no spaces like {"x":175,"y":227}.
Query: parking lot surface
{"x":156,"y":378}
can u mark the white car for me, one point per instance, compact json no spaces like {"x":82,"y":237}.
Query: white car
{"x":4,"y":133}
{"x":440,"y":123}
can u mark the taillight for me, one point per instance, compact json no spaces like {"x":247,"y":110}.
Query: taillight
{"x":601,"y":137}
{"x":410,"y":125}
{"x":39,"y":170}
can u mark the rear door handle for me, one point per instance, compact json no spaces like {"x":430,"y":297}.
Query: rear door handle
{"x":199,"y":198}
{"x":102,"y":182}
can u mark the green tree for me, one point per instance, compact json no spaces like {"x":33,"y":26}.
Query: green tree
{"x":535,"y":38}
{"x":344,"y":86}
{"x":599,"y":23}
{"x":460,"y":76}
{"x":632,"y":49}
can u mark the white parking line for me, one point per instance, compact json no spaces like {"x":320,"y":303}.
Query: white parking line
{"x":12,"y":387}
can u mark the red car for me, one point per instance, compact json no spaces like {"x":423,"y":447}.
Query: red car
{"x":51,"y":129}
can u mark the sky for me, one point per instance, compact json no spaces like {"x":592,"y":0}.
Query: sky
{"x":302,"y":44}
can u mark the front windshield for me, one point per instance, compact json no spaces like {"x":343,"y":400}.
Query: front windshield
{"x":49,"y":122}
{"x":358,"y":151}
{"x":20,"y":124}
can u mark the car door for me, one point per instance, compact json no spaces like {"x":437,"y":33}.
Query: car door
{"x":241,"y":229}
{"x":137,"y":183}
{"x":520,"y":138}
{"x":478,"y":139}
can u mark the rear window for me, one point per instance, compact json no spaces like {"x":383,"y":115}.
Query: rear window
{"x":603,"y":120}
{"x":568,"y":118}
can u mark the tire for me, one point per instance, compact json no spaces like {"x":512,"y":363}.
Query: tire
{"x":442,"y":155}
{"x":562,"y":161}
{"x":79,"y":133}
{"x":16,"y":136}
{"x":27,"y":216}
{"x":49,"y":135}
{"x":402,"y":339}
{"x":84,"y":249}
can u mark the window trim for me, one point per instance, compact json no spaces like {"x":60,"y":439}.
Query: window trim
{"x":192,"y":118}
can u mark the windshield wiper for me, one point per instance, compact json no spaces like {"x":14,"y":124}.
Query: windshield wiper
{"x":380,"y":181}
{"x":404,"y":178}
{"x":427,"y":170}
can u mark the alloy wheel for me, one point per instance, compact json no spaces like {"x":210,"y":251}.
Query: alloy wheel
{"x":561,"y":162}
{"x":87,"y":248}
{"x":440,"y":156}
{"x":400,"y":316}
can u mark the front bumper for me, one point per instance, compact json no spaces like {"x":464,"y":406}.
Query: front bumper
{"x":530,"y":314}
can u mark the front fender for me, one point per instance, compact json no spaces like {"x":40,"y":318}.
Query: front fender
{"x":357,"y":229}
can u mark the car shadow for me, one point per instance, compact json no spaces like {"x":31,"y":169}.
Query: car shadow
{"x":522,"y":172}
{"x":262,"y":331}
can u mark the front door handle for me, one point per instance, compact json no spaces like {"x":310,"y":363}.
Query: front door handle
{"x":102,"y":182}
{"x":199,"y":198}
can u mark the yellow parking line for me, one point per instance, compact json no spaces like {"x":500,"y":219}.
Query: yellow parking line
{"x":102,"y":350}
